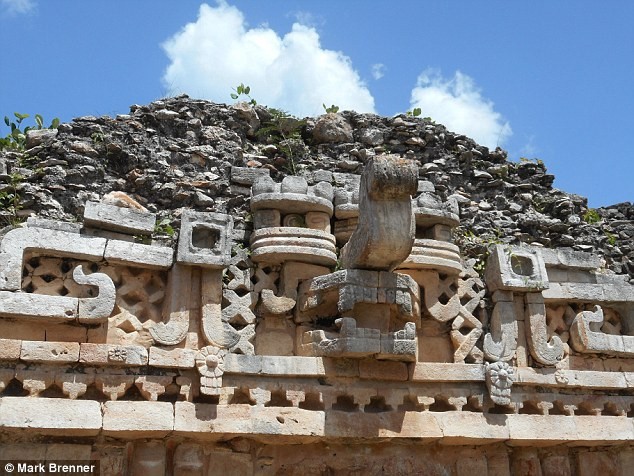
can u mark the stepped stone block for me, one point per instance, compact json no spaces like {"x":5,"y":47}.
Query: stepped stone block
{"x":124,"y":220}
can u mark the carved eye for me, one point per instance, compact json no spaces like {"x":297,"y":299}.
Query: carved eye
{"x":294,"y":220}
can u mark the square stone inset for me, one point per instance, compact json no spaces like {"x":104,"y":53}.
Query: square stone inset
{"x":205,"y":239}
{"x":514,"y":268}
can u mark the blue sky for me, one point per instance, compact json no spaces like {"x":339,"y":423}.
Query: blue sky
{"x":543,"y":79}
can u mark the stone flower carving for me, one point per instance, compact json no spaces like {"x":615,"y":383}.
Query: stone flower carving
{"x":499,"y":380}
{"x":210,"y":362}
{"x":561,"y":377}
{"x":117,"y":354}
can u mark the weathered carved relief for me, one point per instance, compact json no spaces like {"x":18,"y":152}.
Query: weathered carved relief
{"x":587,"y":336}
{"x":292,"y":222}
{"x":384,"y":236}
{"x":367,"y":306}
{"x":501,"y":342}
{"x":499,"y":380}
{"x":433,"y":248}
{"x":466,"y":328}
{"x":518,"y":275}
{"x":545,"y":350}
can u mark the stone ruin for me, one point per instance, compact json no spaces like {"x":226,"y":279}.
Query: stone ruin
{"x":348,"y":324}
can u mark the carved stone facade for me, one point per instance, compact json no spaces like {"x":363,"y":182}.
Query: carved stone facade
{"x":349,"y":317}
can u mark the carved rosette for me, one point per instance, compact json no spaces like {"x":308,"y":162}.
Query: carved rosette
{"x":499,"y":380}
{"x":210,"y":363}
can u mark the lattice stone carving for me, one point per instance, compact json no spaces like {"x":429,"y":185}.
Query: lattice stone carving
{"x":466,"y":328}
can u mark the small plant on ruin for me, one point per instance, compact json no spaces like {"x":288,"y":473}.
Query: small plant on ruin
{"x":16,"y":139}
{"x":242,"y":90}
{"x":414,"y":112}
{"x":164,"y":227}
{"x":332,"y":109}
{"x":10,"y":200}
{"x":591,"y":216}
{"x":477,"y":247}
{"x":284,"y":130}
{"x":611,"y":238}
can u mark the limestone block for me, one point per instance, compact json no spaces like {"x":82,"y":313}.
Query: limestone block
{"x":318,"y":221}
{"x":137,"y":254}
{"x":539,"y":430}
{"x":53,"y":243}
{"x":277,"y":245}
{"x":514,"y":268}
{"x":247,"y":175}
{"x":293,"y":195}
{"x":350,"y":342}
{"x":385,"y":234}
{"x":592,"y":463}
{"x":149,"y":459}
{"x":344,"y":228}
{"x":266,"y":219}
{"x":33,"y":351}
{"x":74,"y":385}
{"x":420,"y":425}
{"x":229,"y":462}
{"x":153,"y":386}
{"x":205,"y":239}
{"x":189,"y":460}
{"x":124,"y":220}
{"x":382,"y":370}
{"x":603,"y":429}
{"x":35,"y":380}
{"x":275,"y":336}
{"x":445,"y":372}
{"x":526,"y":462}
{"x":129,"y":419}
{"x":113,"y":386}
{"x":468,"y":466}
{"x":112,"y":354}
{"x":50,"y":416}
{"x":570,"y":259}
{"x":435,"y":255}
{"x":24,"y":305}
{"x":556,"y":464}
{"x":38,"y":222}
{"x":430,"y":211}
{"x":338,"y":293}
{"x":172,"y":358}
{"x":10,"y":349}
{"x":401,"y":344}
{"x":24,"y":451}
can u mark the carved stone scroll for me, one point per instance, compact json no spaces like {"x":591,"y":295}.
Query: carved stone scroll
{"x":385,"y":234}
{"x":586,"y":337}
{"x":28,"y":305}
{"x":43,"y":241}
{"x":100,"y":306}
{"x":543,"y":350}
{"x":174,"y":327}
{"x":500,"y":344}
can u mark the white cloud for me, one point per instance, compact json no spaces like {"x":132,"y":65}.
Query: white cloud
{"x":218,"y":51}
{"x":15,"y":7}
{"x":458,"y":104}
{"x":378,"y":70}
